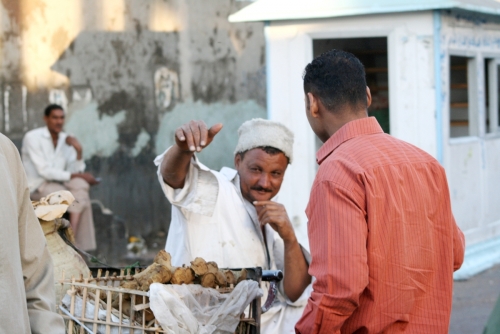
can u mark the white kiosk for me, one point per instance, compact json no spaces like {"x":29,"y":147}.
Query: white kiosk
{"x":433,"y":68}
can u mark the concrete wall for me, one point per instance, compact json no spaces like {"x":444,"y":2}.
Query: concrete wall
{"x":129,"y":72}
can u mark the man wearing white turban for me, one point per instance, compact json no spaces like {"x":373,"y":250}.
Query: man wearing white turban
{"x":229,"y":216}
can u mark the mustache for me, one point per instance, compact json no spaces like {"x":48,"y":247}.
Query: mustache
{"x":262,"y":189}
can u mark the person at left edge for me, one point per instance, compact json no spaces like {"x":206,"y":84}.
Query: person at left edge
{"x":26,"y":270}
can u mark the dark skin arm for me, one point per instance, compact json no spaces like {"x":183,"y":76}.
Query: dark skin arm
{"x":189,"y":138}
{"x":72,"y":141}
{"x":87,"y":177}
{"x":296,"y":278}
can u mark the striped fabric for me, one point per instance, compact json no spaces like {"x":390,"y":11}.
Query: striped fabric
{"x":383,"y":239}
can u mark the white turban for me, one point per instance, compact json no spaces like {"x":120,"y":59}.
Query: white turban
{"x":260,"y":132}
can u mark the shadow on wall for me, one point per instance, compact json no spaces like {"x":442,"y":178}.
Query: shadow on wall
{"x":124,"y":104}
{"x":121,"y":85}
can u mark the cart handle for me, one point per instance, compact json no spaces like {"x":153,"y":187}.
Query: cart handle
{"x":272,"y":275}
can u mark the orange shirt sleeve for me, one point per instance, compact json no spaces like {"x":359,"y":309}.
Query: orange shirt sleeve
{"x":458,"y":235}
{"x":458,"y":247}
{"x":337,"y":235}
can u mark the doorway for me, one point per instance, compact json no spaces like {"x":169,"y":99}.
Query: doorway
{"x":372,"y":52}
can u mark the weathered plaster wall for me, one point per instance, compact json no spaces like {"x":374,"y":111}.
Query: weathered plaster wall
{"x":129,"y":72}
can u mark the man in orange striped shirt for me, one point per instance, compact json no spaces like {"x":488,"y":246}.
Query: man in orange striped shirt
{"x":383,"y":239}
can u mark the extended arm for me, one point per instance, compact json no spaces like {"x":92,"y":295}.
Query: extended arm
{"x":175,"y":166}
{"x":189,"y":138}
{"x":296,"y":278}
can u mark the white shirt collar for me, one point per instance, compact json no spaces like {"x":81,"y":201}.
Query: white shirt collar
{"x":46,"y":132}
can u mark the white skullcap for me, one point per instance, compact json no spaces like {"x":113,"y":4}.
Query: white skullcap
{"x":260,"y":132}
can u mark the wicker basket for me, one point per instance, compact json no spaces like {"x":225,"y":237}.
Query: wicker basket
{"x":102,"y":290}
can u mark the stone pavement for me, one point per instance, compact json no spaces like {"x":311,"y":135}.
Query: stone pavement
{"x":473,"y":301}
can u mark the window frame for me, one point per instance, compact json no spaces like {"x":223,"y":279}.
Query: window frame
{"x":477,"y":86}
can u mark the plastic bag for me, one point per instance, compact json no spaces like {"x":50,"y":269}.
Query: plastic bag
{"x":192,"y":309}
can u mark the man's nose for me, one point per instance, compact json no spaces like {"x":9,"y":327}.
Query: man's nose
{"x":265,"y":181}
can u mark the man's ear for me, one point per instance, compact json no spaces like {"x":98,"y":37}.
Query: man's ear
{"x":313,"y":105}
{"x":368,"y":97}
{"x":237,"y":160}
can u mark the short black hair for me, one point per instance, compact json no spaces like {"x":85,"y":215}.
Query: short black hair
{"x":51,"y":107}
{"x":268,"y":149}
{"x":337,"y":78}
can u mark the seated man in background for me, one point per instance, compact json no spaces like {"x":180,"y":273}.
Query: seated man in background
{"x":53,"y":161}
{"x":229,"y":216}
{"x":26,"y":274}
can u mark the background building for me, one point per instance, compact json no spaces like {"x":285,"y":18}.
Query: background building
{"x":433,"y":69}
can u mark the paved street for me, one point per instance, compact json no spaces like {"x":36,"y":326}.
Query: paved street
{"x":473,"y":301}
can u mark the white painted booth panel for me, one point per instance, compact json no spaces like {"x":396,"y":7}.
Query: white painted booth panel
{"x":465,"y":175}
{"x":492,"y":200}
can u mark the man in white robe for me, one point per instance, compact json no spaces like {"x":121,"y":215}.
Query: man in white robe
{"x":228,"y":216}
{"x":26,"y":270}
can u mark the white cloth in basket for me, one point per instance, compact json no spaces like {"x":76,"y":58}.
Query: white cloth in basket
{"x":192,"y":309}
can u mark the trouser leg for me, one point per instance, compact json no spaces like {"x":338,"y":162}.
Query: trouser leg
{"x":45,"y":189}
{"x":81,"y":210}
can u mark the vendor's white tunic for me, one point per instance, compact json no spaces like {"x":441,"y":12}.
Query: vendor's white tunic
{"x":211,"y":219}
